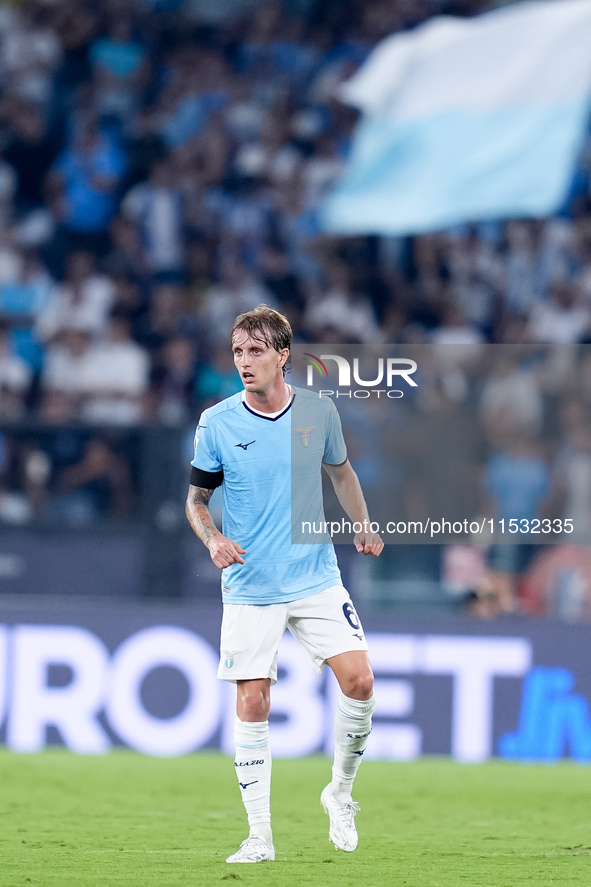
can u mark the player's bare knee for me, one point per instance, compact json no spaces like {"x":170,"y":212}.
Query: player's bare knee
{"x":359,"y":686}
{"x":253,"y":711}
{"x":253,"y":703}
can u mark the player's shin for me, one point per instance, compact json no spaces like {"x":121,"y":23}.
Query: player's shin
{"x":352,"y":727}
{"x":253,"y":769}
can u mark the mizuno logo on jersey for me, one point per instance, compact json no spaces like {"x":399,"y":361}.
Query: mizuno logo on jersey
{"x":244,"y":446}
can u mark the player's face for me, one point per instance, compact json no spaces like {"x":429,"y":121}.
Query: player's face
{"x":259,"y":365}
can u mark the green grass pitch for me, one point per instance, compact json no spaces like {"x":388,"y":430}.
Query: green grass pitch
{"x":128,"y":820}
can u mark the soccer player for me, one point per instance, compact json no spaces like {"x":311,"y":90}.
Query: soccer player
{"x":244,"y":444}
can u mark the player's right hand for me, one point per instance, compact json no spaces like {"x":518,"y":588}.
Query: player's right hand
{"x":224,"y":551}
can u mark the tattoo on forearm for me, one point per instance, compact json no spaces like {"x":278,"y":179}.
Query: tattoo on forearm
{"x":198,"y":513}
{"x":201,"y":496}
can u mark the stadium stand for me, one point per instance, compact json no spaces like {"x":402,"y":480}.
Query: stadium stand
{"x":162,"y":165}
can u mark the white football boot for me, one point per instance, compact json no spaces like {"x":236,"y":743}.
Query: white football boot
{"x":342,"y":831}
{"x":253,"y":849}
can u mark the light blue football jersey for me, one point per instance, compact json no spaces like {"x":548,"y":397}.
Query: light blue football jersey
{"x":254,"y":453}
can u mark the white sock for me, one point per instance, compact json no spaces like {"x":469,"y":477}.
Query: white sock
{"x":253,"y":769}
{"x":352,"y":726}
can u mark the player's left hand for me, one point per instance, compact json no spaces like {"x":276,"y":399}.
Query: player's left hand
{"x":368,"y":543}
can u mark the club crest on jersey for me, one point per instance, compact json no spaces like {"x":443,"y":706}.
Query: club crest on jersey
{"x":304,"y":433}
{"x":228,"y":659}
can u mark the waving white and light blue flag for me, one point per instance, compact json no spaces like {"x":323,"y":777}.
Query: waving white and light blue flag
{"x":467,"y":119}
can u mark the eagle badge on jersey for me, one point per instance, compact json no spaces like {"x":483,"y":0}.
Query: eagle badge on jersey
{"x":304,"y":433}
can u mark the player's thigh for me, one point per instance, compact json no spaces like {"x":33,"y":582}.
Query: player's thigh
{"x":326,"y":624}
{"x":250,"y":640}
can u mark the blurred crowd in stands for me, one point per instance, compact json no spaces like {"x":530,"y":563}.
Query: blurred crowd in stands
{"x":497,"y":437}
{"x":162,"y":165}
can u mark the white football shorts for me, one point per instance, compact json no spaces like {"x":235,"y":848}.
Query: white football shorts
{"x":325,"y":624}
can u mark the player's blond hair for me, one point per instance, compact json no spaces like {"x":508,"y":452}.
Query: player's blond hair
{"x":265,"y":324}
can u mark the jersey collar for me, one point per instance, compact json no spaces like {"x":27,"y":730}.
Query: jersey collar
{"x":270,"y":417}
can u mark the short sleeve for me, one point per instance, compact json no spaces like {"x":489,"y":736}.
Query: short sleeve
{"x":335,"y":449}
{"x":207,"y":466}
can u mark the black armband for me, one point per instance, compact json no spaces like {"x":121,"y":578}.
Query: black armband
{"x":208,"y":480}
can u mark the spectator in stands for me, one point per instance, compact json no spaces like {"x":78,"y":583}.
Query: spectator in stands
{"x":77,"y":23}
{"x":283,"y":285}
{"x":129,"y":300}
{"x":119,"y":67}
{"x":454,"y":328}
{"x":31,"y":151}
{"x":269,"y":158}
{"x":516,"y":484}
{"x":166,"y":318}
{"x":526,"y":274}
{"x":246,"y":112}
{"x":342,"y":308}
{"x":106,"y":380}
{"x":85,"y":181}
{"x":15,"y":379}
{"x":58,"y":445}
{"x":321,"y":170}
{"x":562,"y":319}
{"x":30,"y":54}
{"x":297,"y":228}
{"x":200,"y":270}
{"x":127,"y":255}
{"x":510,"y":399}
{"x":156,"y":207}
{"x":68,"y":365}
{"x":7,"y":189}
{"x":24,"y":296}
{"x":74,"y":475}
{"x":572,"y":482}
{"x":173,"y":382}
{"x":476,"y":278}
{"x":116,"y":379}
{"x":15,"y":507}
{"x":194,"y":89}
{"x":237,"y":291}
{"x":82,"y":301}
{"x":100,"y":482}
